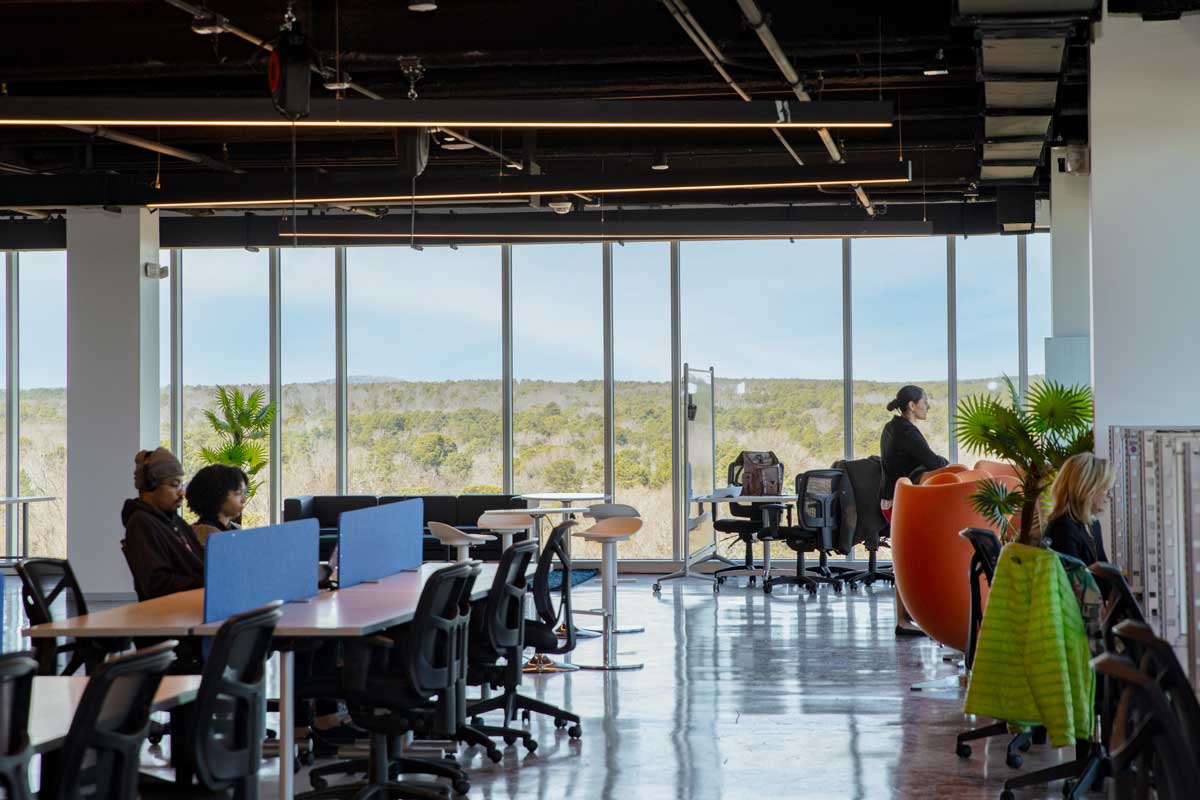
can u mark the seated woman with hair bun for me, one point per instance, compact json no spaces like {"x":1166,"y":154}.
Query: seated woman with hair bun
{"x":904,"y":453}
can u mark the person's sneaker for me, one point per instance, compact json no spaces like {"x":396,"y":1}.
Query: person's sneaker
{"x":326,"y":741}
{"x":908,"y":630}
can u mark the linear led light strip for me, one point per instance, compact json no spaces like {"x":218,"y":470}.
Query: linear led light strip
{"x":583,"y":236}
{"x":404,"y":198}
{"x":385,"y":123}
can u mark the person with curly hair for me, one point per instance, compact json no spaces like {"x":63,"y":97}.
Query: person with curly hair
{"x":216,"y":494}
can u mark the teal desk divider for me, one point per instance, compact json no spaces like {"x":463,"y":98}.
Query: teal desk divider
{"x":248,"y":568}
{"x":379,"y":541}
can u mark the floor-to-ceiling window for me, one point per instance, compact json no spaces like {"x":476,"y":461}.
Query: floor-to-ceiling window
{"x":558,"y":370}
{"x":642,"y":392}
{"x":987,"y":325}
{"x":899,"y":333}
{"x":424,"y":364}
{"x":1040,"y":302}
{"x":226,"y":342}
{"x":43,"y":398}
{"x":767,"y":315}
{"x":308,"y":363}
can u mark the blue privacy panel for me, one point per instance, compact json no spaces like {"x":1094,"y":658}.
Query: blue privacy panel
{"x":379,"y":541}
{"x":249,"y":568}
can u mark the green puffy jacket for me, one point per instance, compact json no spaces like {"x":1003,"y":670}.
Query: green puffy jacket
{"x":1032,"y":663}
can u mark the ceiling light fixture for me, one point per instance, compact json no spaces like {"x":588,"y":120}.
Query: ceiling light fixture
{"x":660,"y":160}
{"x":453,"y":143}
{"x":422,"y":5}
{"x":938,"y":67}
{"x":824,"y":176}
{"x":579,"y":236}
{"x":567,"y":114}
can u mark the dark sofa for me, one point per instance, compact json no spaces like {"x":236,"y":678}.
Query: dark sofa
{"x":461,"y":511}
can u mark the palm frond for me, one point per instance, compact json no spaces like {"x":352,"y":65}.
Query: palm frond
{"x":1059,"y":410}
{"x":254,"y":402}
{"x":219,"y":425}
{"x":996,"y":503}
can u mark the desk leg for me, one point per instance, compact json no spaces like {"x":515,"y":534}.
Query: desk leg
{"x":287,"y":723}
{"x":608,"y":583}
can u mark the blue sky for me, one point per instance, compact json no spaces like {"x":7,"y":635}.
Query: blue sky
{"x":750,"y":309}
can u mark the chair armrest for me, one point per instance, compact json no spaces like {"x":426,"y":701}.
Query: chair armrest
{"x":299,"y":507}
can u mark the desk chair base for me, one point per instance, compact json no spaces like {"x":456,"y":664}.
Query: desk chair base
{"x":580,"y":633}
{"x":871,"y":574}
{"x":1018,"y":744}
{"x":1079,"y":775}
{"x":611,"y":667}
{"x":810,"y":578}
{"x":379,"y":783}
{"x":688,"y":571}
{"x":545,"y":665}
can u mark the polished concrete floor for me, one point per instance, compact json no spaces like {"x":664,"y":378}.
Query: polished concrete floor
{"x":745,"y":694}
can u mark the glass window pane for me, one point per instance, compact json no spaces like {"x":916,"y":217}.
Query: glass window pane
{"x":899,"y":316}
{"x":767,"y":315}
{"x":308,"y":370}
{"x":988,"y":341}
{"x":1040,"y":294}
{"x":164,"y":353}
{"x":226,"y":342}
{"x":424,"y":363}
{"x":558,"y":371}
{"x":43,"y":399}
{"x":642,"y":393}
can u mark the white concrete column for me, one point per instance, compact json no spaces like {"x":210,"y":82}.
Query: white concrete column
{"x":1068,"y":350}
{"x":112,"y":383}
{"x":1145,"y":138}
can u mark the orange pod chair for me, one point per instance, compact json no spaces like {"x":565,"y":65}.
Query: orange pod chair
{"x":930,"y":559}
{"x":948,"y":469}
{"x":997,"y":469}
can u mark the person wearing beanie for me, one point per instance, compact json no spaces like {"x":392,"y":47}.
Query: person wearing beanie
{"x":163,"y":552}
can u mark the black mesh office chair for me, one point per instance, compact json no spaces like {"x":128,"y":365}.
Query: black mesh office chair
{"x":44,"y":582}
{"x":818,"y":493}
{"x":751,"y":523}
{"x":409,"y":680}
{"x":497,"y":640}
{"x":217,"y":739}
{"x":863,"y":518}
{"x":16,"y":686}
{"x":99,"y":757}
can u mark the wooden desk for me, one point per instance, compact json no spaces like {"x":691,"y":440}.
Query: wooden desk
{"x":356,"y":611}
{"x":170,"y":615}
{"x":55,"y":699}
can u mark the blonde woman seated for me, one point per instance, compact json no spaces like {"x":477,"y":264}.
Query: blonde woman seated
{"x":1080,"y":493}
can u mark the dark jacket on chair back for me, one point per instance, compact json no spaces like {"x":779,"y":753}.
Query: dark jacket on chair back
{"x":1070,"y":537}
{"x":903,"y":450}
{"x":164,"y":554}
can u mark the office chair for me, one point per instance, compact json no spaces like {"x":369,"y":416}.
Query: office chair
{"x":16,"y":687}
{"x":497,"y":638}
{"x":99,"y":757}
{"x":751,"y":523}
{"x":818,"y":515}
{"x":983,"y":566}
{"x":408,"y":680}
{"x":45,"y":581}
{"x":862,"y":516}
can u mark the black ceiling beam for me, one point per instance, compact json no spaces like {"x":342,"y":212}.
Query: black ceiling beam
{"x":201,"y":189}
{"x":617,"y":114}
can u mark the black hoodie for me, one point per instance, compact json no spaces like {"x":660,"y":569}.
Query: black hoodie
{"x":163,"y":552}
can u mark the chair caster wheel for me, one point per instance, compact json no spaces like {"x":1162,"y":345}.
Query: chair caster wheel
{"x":766,"y":588}
{"x":318,"y":782}
{"x":509,"y":740}
{"x":495,"y":755}
{"x":656,"y":588}
{"x":462,"y":787}
{"x":753,"y":580}
{"x":574,"y":731}
{"x":155,"y":738}
{"x":716,"y":588}
{"x":1025,"y":745}
{"x":1007,"y":795}
{"x":308,"y":757}
{"x":530,"y":745}
{"x":963,"y":751}
{"x":476,"y":721}
{"x":837,"y":588}
{"x":812,"y":591}
{"x":560,"y":723}
{"x":1068,"y":787}
{"x":1014,"y":761}
{"x":721,"y":580}
{"x":525,"y":717}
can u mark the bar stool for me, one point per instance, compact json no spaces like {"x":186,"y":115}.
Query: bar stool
{"x":506,"y":526}
{"x":461,"y":541}
{"x":602,"y":511}
{"x":607,"y":533}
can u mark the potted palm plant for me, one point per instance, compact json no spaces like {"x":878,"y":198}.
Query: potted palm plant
{"x":244,"y":425}
{"x":1035,"y":434}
